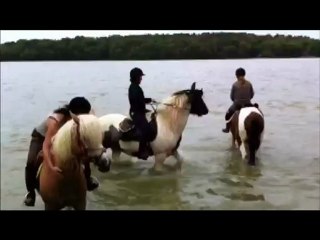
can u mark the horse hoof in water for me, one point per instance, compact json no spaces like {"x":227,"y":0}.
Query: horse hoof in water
{"x":92,"y":184}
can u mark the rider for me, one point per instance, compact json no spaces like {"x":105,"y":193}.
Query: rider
{"x":241,"y":94}
{"x":41,"y":140}
{"x":138,"y":111}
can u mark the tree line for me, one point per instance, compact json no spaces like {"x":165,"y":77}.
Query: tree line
{"x":157,"y":47}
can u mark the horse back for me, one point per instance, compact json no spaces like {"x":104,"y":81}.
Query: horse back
{"x":251,"y":126}
{"x":234,"y":125}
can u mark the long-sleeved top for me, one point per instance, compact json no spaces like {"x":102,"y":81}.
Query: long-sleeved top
{"x":136,"y":99}
{"x":242,"y":93}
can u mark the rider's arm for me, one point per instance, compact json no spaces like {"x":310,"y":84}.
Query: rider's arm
{"x":52,"y":130}
{"x":251,"y":91}
{"x":232,"y":93}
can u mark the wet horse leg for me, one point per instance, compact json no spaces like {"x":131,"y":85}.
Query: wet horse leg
{"x":233,"y":140}
{"x":159,"y":160}
{"x":52,"y":207}
{"x":81,"y":205}
{"x":238,"y":141}
{"x":179,"y":159}
{"x":116,"y":155}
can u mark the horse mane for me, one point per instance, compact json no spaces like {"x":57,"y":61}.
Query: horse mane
{"x":65,"y":140}
{"x":169,"y":113}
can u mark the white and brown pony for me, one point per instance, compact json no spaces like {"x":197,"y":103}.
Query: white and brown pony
{"x":247,"y":129}
{"x":78,"y":141}
{"x":168,"y":122}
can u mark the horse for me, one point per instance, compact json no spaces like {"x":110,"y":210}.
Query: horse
{"x":77,"y":142}
{"x":247,"y":129}
{"x":168,"y":122}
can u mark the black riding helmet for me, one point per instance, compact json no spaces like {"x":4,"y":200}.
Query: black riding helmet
{"x":79,"y":105}
{"x":136,"y":73}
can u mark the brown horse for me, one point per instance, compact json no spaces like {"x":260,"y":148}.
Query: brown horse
{"x":247,"y":128}
{"x":77,"y":141}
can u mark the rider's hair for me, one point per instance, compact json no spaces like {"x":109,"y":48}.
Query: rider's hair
{"x":240,"y":72}
{"x":77,"y":105}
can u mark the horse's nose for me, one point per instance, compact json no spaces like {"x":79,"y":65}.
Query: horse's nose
{"x":104,"y":163}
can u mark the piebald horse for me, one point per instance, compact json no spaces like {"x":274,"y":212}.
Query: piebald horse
{"x":247,"y":128}
{"x":168,"y":122}
{"x":78,"y":141}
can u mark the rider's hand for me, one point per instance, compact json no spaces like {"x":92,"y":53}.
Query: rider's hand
{"x":153,"y":100}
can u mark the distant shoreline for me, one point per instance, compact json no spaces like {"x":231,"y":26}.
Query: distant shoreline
{"x":206,"y":46}
{"x":150,"y":60}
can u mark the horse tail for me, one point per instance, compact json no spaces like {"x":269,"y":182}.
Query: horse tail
{"x":254,"y":125}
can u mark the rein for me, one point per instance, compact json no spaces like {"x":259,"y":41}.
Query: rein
{"x":169,"y":105}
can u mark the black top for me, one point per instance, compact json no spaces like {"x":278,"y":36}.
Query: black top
{"x":137,"y":100}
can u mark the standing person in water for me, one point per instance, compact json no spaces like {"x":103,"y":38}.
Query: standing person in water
{"x":241,"y":94}
{"x":41,"y":140}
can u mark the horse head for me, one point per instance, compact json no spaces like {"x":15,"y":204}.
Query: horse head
{"x":195,"y":100}
{"x":87,"y":140}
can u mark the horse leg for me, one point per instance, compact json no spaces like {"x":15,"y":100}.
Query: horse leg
{"x":159,"y":160}
{"x":51,"y":207}
{"x":116,"y":155}
{"x":179,"y":159}
{"x":81,"y":205}
{"x":243,"y":150}
{"x":233,"y":141}
{"x":238,"y":141}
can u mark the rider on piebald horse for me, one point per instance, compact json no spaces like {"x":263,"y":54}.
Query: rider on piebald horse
{"x":241,"y":94}
{"x":138,"y":111}
{"x":41,"y":140}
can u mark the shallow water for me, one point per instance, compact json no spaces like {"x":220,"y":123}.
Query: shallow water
{"x":214,"y":176}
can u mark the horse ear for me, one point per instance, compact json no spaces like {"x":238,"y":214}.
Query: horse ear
{"x":75,"y":118}
{"x":193,"y":86}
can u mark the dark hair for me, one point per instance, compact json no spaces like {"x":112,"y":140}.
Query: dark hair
{"x":79,"y":105}
{"x":240,"y":72}
{"x":63,"y":110}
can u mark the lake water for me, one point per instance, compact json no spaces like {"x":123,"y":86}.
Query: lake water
{"x":214,"y":176}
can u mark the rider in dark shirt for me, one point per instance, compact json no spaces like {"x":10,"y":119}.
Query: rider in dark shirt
{"x":138,"y":111}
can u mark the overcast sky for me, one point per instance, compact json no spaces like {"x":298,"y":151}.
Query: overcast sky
{"x":13,"y":35}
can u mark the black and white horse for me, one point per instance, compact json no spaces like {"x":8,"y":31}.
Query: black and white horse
{"x":247,"y":128}
{"x":168,"y":122}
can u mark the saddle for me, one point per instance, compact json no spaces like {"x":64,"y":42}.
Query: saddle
{"x":239,"y":107}
{"x":129,"y":132}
